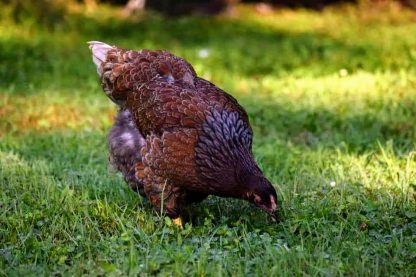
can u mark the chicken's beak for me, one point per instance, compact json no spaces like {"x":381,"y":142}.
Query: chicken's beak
{"x":275,"y":216}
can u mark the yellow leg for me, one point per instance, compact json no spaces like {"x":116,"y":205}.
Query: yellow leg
{"x":178,"y":222}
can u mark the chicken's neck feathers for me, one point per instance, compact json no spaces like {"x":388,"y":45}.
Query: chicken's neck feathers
{"x":223,"y":153}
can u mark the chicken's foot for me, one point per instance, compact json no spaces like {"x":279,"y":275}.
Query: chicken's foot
{"x":178,"y":222}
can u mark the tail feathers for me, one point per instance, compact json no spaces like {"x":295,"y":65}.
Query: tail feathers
{"x":99,"y":54}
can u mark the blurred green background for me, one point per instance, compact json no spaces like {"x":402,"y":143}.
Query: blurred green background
{"x":330,"y":88}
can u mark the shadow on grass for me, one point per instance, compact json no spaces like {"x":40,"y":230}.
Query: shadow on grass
{"x":236,"y":47}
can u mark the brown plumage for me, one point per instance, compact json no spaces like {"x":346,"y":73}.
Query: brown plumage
{"x":194,"y":139}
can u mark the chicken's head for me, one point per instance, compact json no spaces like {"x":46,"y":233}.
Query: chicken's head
{"x":263,"y":195}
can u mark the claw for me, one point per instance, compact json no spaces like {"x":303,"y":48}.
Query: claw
{"x":178,"y":222}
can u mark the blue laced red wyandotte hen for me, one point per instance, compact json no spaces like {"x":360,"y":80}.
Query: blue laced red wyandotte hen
{"x":177,"y":138}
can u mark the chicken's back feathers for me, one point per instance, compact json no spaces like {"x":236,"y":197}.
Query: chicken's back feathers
{"x":122,"y":71}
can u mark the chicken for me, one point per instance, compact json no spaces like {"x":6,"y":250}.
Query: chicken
{"x":178,"y":138}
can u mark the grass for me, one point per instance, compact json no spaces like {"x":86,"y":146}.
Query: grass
{"x":332,"y":99}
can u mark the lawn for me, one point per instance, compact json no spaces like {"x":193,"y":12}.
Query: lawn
{"x":331,"y":96}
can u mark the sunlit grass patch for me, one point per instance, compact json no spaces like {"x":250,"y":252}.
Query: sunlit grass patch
{"x":52,"y":109}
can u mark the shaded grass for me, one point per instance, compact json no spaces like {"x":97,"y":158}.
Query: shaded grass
{"x":331,"y":97}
